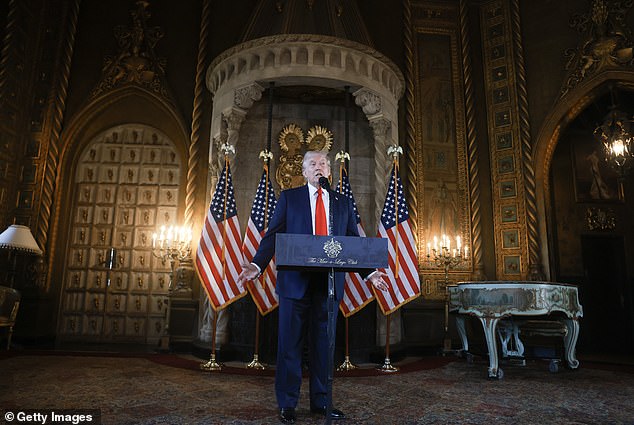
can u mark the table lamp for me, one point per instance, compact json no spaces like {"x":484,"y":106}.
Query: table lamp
{"x":18,"y":239}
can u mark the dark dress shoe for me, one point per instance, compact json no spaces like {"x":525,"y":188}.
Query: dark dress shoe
{"x":334,"y":414}
{"x":287,"y":415}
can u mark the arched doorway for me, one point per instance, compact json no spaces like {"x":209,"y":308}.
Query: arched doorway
{"x":125,"y":185}
{"x":590,"y":230}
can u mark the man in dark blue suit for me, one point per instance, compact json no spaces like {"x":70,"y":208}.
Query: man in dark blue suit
{"x":303,"y":295}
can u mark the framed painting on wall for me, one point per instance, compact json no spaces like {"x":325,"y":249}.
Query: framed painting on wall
{"x":594,"y":179}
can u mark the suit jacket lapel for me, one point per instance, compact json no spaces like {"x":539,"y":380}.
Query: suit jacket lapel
{"x":304,"y":203}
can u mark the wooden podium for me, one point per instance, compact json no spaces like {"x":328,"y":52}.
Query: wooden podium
{"x":336,"y":254}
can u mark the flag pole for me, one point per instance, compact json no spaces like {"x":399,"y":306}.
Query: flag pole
{"x":395,"y":151}
{"x":223,"y":260}
{"x":266,"y":155}
{"x":347,"y":364}
{"x":255,"y":363}
{"x":342,"y":156}
{"x":396,"y":259}
{"x":212,"y":365}
{"x":387,"y":366}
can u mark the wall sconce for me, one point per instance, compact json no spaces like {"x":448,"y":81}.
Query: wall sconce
{"x":615,"y":134}
{"x":18,"y":239}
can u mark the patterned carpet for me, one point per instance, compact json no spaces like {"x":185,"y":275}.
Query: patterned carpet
{"x":168,"y":389}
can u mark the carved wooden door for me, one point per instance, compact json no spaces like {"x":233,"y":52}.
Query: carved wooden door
{"x":125,"y":186}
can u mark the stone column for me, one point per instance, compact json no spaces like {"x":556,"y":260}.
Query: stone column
{"x":232,"y":119}
{"x":371,"y":104}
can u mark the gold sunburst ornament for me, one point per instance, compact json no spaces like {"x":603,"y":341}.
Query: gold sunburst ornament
{"x":293,"y":146}
{"x":319,"y":139}
{"x":291,"y":139}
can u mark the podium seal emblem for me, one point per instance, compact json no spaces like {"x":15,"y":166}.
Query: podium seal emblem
{"x":332,"y":248}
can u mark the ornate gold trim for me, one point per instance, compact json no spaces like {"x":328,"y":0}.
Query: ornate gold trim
{"x":443,"y":188}
{"x":291,"y":137}
{"x":507,"y":128}
{"x":293,"y":146}
{"x":319,"y":139}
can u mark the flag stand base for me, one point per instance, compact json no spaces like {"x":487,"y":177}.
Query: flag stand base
{"x":447,"y":349}
{"x":255,"y":363}
{"x":388,"y":367}
{"x":211,"y":365}
{"x":346,"y":365}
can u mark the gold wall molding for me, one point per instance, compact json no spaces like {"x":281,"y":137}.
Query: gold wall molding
{"x":11,"y":66}
{"x":200,"y":99}
{"x":472,"y":147}
{"x":56,"y":117}
{"x":535,"y":268}
{"x":514,"y":203}
{"x":410,"y":120}
{"x":442,"y":186}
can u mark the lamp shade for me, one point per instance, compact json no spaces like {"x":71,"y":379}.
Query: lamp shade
{"x":19,"y":237}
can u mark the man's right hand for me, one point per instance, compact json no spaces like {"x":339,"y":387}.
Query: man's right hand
{"x":249,"y":272}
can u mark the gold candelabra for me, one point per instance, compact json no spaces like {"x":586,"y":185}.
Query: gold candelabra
{"x":174,"y":244}
{"x":441,"y":255}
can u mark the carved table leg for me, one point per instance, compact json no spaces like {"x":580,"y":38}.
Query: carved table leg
{"x":489,"y":324}
{"x":462,"y":331}
{"x":570,"y":342}
{"x":507,"y":330}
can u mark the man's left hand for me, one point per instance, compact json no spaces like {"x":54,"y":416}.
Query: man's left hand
{"x":376,"y":279}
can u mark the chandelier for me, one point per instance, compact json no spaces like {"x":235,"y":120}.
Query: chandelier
{"x":615,"y":134}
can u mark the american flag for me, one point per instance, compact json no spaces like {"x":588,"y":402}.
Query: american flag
{"x":219,"y":257}
{"x":404,"y":283}
{"x":357,"y":292}
{"x":262,"y":291}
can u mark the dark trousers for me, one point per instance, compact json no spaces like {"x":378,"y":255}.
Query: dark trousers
{"x":296,"y":318}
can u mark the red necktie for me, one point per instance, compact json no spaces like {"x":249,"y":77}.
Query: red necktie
{"x":321,"y":228}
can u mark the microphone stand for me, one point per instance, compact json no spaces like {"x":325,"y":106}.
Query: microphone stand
{"x":331,"y":341}
{"x":325,"y":184}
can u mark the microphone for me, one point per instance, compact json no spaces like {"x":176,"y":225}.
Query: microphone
{"x":324,"y":183}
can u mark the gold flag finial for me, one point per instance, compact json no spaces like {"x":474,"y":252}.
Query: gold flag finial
{"x":342,"y":156}
{"x":394,"y":151}
{"x":266,"y":155}
{"x":227,"y":149}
